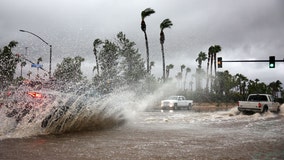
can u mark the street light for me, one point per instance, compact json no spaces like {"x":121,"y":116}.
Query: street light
{"x":50,"y":50}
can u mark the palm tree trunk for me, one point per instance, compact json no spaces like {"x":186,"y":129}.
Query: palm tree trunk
{"x":215,"y":63}
{"x":163,"y":58}
{"x":147,"y":52}
{"x":211,"y":68}
{"x":207,"y":79}
{"x":184,"y":82}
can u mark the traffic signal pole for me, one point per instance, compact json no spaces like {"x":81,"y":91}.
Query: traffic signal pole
{"x":271,"y":61}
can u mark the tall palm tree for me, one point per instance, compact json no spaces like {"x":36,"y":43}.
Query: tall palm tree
{"x":168,"y":67}
{"x":212,"y":52}
{"x":216,"y":49}
{"x":96,"y":44}
{"x":182,"y":67}
{"x":210,"y":56}
{"x":186,"y":72}
{"x":165,"y":24}
{"x":201,"y":57}
{"x":147,"y":12}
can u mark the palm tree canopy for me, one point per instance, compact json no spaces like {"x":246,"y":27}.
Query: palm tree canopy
{"x":97,"y":42}
{"x":167,"y":23}
{"x":211,"y":50}
{"x":217,"y":48}
{"x":13,"y":44}
{"x":188,"y":70}
{"x":170,"y":66}
{"x":146,"y":12}
{"x":201,"y":57}
{"x":182,"y":67}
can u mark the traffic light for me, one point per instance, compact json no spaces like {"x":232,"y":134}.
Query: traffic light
{"x":271,"y":61}
{"x":219,"y":62}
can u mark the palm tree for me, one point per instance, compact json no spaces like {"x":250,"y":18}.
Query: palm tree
{"x":182,"y":67}
{"x":168,"y":67}
{"x":187,"y":71}
{"x":96,"y":43}
{"x":165,"y":24}
{"x":147,"y":12}
{"x":210,"y":55}
{"x":23,"y":64}
{"x":212,"y":51}
{"x":201,"y":57}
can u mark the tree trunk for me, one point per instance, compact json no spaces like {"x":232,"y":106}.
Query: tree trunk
{"x":211,"y":68}
{"x":147,"y":52}
{"x":215,"y":63}
{"x":163,"y":58}
{"x":207,"y":79}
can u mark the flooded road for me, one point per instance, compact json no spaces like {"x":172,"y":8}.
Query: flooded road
{"x":163,"y":135}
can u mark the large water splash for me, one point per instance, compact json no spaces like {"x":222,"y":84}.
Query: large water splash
{"x":61,"y":112}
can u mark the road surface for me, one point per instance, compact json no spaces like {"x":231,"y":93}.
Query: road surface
{"x":162,"y":135}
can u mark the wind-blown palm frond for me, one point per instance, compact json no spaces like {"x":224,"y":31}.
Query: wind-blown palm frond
{"x":147,"y":12}
{"x":167,"y":23}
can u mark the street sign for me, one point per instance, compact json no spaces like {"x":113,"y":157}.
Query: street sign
{"x":36,"y":65}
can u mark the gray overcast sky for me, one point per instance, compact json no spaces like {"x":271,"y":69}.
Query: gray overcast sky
{"x":245,"y":29}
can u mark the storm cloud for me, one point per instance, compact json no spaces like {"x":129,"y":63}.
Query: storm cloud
{"x":245,"y":29}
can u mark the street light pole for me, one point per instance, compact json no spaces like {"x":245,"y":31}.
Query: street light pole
{"x":50,"y":49}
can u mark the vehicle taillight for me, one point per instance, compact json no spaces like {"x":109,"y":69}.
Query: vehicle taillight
{"x":259,"y":105}
{"x":35,"y":94}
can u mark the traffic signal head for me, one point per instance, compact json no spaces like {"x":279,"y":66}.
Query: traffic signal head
{"x":219,"y":62}
{"x":271,"y":61}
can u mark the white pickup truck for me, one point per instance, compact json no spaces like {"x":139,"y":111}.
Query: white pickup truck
{"x":176,"y":102}
{"x":259,"y":103}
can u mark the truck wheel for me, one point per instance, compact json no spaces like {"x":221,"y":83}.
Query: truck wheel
{"x":175,"y":106}
{"x":265,"y":109}
{"x":278,"y":109}
{"x":189,"y":106}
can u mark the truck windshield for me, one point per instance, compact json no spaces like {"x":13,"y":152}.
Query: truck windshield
{"x":257,"y":98}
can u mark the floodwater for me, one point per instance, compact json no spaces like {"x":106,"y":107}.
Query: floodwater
{"x":161,"y":135}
